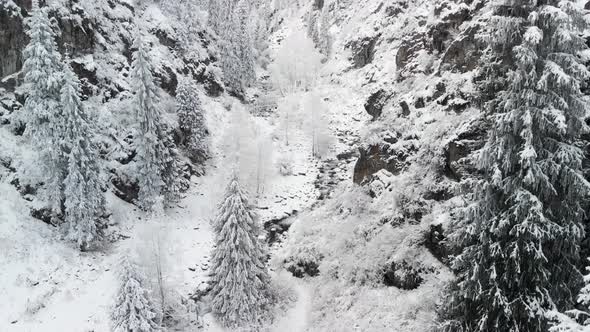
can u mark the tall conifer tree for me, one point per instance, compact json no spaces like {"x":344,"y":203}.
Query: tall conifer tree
{"x":241,"y":293}
{"x":150,"y":149}
{"x":519,"y":237}
{"x":43,"y":116}
{"x":84,"y":200}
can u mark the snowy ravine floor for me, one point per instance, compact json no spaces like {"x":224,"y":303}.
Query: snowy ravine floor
{"x":47,"y":285}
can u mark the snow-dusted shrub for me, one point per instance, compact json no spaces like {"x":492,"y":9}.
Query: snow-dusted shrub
{"x":285,"y":165}
{"x":305,"y":262}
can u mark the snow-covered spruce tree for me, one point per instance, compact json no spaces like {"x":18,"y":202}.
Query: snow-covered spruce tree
{"x":519,"y":237}
{"x":82,"y":187}
{"x":155,"y":160}
{"x":134,"y":310}
{"x":191,"y":121}
{"x":42,"y":114}
{"x":241,"y":295}
{"x":570,"y":322}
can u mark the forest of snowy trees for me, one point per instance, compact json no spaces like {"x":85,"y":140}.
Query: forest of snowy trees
{"x":222,"y":200}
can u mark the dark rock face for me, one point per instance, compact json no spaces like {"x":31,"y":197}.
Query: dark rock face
{"x":12,"y":39}
{"x":87,"y":78}
{"x":168,"y":80}
{"x":396,"y":9}
{"x":201,"y":73}
{"x":376,"y":102}
{"x":419,"y":103}
{"x":463,"y":53}
{"x":472,"y":138}
{"x":77,"y":35}
{"x":318,"y":4}
{"x":402,"y":275}
{"x":460,"y":49}
{"x":124,"y":188}
{"x":363,"y":50}
{"x":378,"y":157}
{"x":434,"y":241}
{"x":405,"y":108}
{"x":45,"y":215}
{"x":408,"y":51}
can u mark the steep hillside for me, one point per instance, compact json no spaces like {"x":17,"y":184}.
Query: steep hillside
{"x":373,"y":252}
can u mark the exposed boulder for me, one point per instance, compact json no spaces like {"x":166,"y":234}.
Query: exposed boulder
{"x":363,"y":50}
{"x":439,"y":90}
{"x":376,"y":102}
{"x":405,"y":108}
{"x":419,"y":103}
